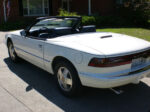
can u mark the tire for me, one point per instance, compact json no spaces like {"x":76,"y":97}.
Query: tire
{"x":12,"y":54}
{"x":67,"y":79}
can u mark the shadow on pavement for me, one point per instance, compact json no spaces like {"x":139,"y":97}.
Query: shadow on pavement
{"x":136,"y":98}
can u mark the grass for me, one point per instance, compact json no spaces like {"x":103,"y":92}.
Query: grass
{"x":137,"y":32}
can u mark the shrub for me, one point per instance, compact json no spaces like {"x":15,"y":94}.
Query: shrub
{"x":63,"y":12}
{"x":100,"y":21}
{"x":88,"y":20}
{"x":104,"y":21}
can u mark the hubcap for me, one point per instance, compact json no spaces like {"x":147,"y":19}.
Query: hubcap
{"x":64,"y":79}
{"x":12,"y":51}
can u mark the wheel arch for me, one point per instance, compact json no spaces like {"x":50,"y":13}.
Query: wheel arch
{"x":8,"y":40}
{"x":61,"y":58}
{"x":76,"y":85}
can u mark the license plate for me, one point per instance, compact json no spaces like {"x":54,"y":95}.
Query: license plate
{"x":138,"y":62}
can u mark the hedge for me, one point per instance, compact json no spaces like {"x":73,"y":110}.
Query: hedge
{"x":99,"y":21}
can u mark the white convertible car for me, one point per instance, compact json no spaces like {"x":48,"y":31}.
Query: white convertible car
{"x":80,"y":56}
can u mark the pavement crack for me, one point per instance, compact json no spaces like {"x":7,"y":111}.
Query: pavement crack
{"x":16,"y":98}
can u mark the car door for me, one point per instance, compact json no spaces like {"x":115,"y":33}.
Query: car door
{"x":31,"y":46}
{"x":32,"y":50}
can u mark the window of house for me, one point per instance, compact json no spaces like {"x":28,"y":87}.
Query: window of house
{"x":35,"y":7}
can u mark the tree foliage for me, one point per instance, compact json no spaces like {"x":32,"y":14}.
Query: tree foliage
{"x":135,"y":11}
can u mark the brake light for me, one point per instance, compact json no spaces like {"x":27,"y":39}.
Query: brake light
{"x":110,"y":62}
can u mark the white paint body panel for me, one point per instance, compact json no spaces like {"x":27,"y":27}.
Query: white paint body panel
{"x":79,"y":49}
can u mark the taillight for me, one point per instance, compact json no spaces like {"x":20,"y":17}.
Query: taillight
{"x":117,"y":61}
{"x":110,"y":62}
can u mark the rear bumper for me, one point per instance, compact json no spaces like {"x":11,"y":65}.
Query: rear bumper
{"x":98,"y":81}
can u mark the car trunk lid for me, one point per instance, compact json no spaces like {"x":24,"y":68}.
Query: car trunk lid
{"x":109,"y":44}
{"x":112,"y":44}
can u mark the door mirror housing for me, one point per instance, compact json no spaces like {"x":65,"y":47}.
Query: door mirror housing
{"x":23,"y":33}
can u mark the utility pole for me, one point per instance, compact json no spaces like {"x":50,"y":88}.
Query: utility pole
{"x":89,"y":7}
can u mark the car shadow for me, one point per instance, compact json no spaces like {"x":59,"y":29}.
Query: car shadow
{"x":136,"y":98}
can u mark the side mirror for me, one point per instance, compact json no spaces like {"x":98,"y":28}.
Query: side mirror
{"x":23,"y":33}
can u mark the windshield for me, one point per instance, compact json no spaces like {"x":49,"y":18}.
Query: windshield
{"x":54,"y":23}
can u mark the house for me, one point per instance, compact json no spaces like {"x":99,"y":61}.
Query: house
{"x":13,"y":9}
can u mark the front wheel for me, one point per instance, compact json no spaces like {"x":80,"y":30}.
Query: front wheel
{"x":67,"y":79}
{"x":12,"y":54}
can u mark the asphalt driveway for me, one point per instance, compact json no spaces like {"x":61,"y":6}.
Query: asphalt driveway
{"x":26,"y":88}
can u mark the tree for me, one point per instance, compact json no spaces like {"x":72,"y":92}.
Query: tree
{"x":135,"y":11}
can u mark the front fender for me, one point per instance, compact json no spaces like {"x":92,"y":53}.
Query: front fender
{"x":7,"y":36}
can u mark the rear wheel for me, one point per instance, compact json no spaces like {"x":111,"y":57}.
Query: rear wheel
{"x":12,"y":54}
{"x":67,"y":79}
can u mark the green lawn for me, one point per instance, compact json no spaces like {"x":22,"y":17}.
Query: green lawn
{"x":137,"y":32}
